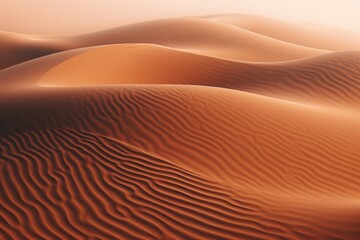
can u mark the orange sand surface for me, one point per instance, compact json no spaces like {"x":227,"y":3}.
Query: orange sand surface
{"x":216,"y":127}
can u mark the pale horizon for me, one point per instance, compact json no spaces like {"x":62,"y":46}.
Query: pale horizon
{"x":50,"y":17}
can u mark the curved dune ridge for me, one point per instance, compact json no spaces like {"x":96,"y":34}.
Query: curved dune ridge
{"x":205,"y":37}
{"x":328,"y":79}
{"x":191,"y":128}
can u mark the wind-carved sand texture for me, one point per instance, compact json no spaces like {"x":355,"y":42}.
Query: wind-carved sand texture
{"x":215,"y":127}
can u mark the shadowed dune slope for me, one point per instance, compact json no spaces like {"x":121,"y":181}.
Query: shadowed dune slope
{"x":321,"y":37}
{"x":176,"y":162}
{"x":18,"y":48}
{"x":328,"y":79}
{"x":193,"y":34}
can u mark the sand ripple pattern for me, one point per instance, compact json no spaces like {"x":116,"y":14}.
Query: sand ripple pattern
{"x":66,"y":184}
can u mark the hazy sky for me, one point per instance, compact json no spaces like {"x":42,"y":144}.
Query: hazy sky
{"x":74,"y":16}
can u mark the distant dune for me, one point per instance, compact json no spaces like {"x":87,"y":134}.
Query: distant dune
{"x":314,"y":36}
{"x":204,"y":37}
{"x":18,"y":48}
{"x":184,"y":128}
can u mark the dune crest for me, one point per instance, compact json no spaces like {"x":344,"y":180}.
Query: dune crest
{"x":330,"y":79}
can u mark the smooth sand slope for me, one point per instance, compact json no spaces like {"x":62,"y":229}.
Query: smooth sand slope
{"x":176,"y":138}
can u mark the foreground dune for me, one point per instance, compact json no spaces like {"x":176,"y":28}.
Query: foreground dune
{"x":263,"y":154}
{"x":178,"y":129}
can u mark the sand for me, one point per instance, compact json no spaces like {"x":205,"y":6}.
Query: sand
{"x":189,"y":128}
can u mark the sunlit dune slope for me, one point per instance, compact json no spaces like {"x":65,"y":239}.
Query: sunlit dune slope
{"x":321,"y":37}
{"x":27,"y":74}
{"x":162,"y":155}
{"x":329,"y":79}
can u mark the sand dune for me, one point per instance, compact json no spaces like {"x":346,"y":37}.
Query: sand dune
{"x":303,"y":34}
{"x":27,"y":74}
{"x":204,"y":37}
{"x":18,"y":48}
{"x":142,"y":197}
{"x":207,"y":37}
{"x":260,"y":152}
{"x":328,"y":79}
{"x":179,"y":129}
{"x":197,"y":106}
